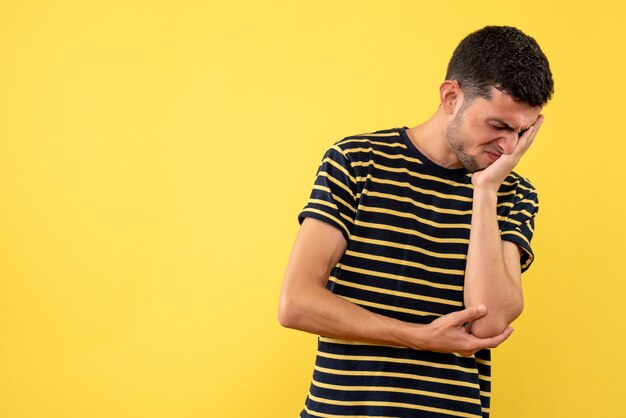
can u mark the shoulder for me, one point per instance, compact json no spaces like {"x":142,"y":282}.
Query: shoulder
{"x":384,"y":147}
{"x":520,"y":183}
{"x":521,"y":189}
{"x":387,"y":138}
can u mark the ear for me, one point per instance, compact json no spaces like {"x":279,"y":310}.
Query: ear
{"x":450,"y":96}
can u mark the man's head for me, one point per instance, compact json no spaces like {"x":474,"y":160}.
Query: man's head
{"x":497,"y":83}
{"x":505,"y":58}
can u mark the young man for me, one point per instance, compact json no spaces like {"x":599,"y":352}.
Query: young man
{"x":409,"y":257}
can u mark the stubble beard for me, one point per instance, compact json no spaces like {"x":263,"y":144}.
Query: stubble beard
{"x":452,"y":134}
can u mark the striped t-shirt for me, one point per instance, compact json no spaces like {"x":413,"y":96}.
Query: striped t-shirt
{"x":407,"y":224}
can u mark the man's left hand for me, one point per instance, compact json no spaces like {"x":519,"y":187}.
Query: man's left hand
{"x":492,"y":177}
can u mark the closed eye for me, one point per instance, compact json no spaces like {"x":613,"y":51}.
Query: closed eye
{"x":509,"y":129}
{"x":501,"y":128}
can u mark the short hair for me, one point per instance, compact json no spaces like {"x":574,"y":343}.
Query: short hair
{"x":505,"y":58}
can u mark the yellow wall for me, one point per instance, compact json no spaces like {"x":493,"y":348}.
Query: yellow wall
{"x":154,"y":156}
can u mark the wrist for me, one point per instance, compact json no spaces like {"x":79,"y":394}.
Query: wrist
{"x":486,"y":193}
{"x":414,"y":336}
{"x":481,"y":181}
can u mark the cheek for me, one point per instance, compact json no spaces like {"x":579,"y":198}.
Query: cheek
{"x":476,"y":138}
{"x":485,"y":136}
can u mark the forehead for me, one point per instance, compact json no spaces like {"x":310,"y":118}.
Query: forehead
{"x":503,"y":108}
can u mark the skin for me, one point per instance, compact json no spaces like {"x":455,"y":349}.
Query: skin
{"x":305,"y":304}
{"x":489,"y":137}
{"x":482,"y":135}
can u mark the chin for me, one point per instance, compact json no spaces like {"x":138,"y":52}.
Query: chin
{"x":471,"y":165}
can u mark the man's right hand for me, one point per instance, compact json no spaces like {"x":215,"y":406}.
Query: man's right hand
{"x":448,"y":333}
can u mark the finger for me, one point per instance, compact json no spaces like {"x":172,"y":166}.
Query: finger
{"x":531,"y":132}
{"x":527,"y":138}
{"x":535,"y":129}
{"x":495,"y":341}
{"x":468,"y":314}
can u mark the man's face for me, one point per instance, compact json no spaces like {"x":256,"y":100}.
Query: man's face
{"x":482,"y":129}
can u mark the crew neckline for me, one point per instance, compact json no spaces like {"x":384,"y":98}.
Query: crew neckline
{"x":431,"y":165}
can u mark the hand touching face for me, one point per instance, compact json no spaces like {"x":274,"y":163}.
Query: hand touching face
{"x":492,"y":176}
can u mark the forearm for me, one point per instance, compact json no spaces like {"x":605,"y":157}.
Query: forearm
{"x":324,"y":313}
{"x":487,"y":278}
{"x":319,"y":311}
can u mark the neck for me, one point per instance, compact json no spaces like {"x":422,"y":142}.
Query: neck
{"x":430,"y":138}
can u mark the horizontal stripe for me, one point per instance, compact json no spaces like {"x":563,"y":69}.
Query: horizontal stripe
{"x":501,"y":194}
{"x":347,"y":342}
{"x":388,"y":307}
{"x":370,"y":141}
{"x":324,"y":203}
{"x":483,"y":361}
{"x":325,"y":415}
{"x":399,"y":361}
{"x":382,"y":154}
{"x":512,"y":179}
{"x":516,"y":233}
{"x":522,"y":211}
{"x":327,"y":215}
{"x":346,"y":217}
{"x":411,"y":232}
{"x":405,"y":263}
{"x":384,"y":291}
{"x":379,"y":134}
{"x":415,"y":174}
{"x":409,"y":215}
{"x":337,"y":182}
{"x":331,"y":205}
{"x":511,"y":221}
{"x":413,"y":248}
{"x":340,"y":168}
{"x":521,"y":186}
{"x":407,"y":185}
{"x":396,"y":390}
{"x":428,"y":207}
{"x":392,"y":404}
{"x":334,"y":196}
{"x":401,"y":278}
{"x":416,"y":203}
{"x":409,"y":376}
{"x":530,"y":202}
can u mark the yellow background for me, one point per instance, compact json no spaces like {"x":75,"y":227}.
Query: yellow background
{"x":154,"y":156}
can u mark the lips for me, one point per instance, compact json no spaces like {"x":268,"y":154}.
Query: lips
{"x":493,"y":156}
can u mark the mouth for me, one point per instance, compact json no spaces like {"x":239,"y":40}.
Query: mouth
{"x":493,"y":156}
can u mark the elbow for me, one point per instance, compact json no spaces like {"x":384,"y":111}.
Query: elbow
{"x":488,"y":327}
{"x":288,"y":312}
{"x":495,"y":324}
{"x":297,"y":304}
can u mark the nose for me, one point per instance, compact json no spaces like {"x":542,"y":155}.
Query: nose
{"x":507,"y":142}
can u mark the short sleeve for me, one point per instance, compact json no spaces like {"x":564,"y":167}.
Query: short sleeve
{"x":520,"y":225}
{"x":333,"y":198}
